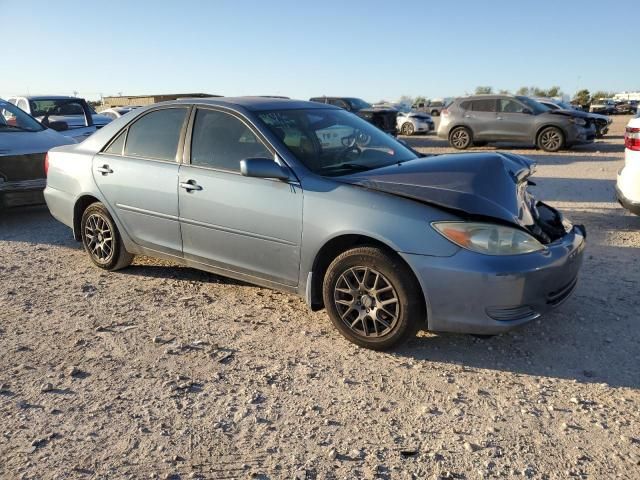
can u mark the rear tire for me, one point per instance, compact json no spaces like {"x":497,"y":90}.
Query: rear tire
{"x":101,"y":239}
{"x":550,"y":139}
{"x":435,"y":113}
{"x":460,"y":138}
{"x":372,"y":298}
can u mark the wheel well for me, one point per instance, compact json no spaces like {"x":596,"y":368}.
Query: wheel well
{"x":81,"y":205}
{"x":451,"y":129}
{"x":331,"y":250}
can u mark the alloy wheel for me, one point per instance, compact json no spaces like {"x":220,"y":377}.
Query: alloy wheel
{"x":551,"y":140}
{"x":460,"y":138}
{"x":367,"y":302}
{"x":99,"y":238}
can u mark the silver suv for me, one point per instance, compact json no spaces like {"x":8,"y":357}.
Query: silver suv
{"x":480,"y":119}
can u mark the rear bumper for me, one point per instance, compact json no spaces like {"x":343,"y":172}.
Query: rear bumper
{"x":625,"y":193}
{"x":473,"y":293}
{"x":60,"y":205}
{"x":22,"y":192}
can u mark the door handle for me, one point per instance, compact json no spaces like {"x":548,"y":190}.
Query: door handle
{"x":498,"y":118}
{"x":190,"y":185}
{"x":104,"y":170}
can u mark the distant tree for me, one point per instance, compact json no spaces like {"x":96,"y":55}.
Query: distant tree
{"x":523,"y":91}
{"x":406,"y":100}
{"x":94,"y":103}
{"x":582,"y":97}
{"x":505,"y":92}
{"x":554,"y":92}
{"x":419,"y":99}
{"x":484,"y":90}
{"x":602,"y":94}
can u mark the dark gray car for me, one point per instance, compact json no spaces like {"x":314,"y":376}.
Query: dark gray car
{"x":478,"y":120}
{"x":313,"y":200}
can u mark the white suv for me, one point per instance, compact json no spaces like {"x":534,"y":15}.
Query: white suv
{"x":628,"y":185}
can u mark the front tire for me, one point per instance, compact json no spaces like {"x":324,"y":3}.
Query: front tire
{"x":551,"y":139}
{"x":460,"y":138}
{"x":101,"y":239}
{"x":372,"y":298}
{"x":407,"y":129}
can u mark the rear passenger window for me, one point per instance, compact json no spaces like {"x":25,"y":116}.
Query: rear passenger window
{"x":465,"y":105}
{"x":156,"y":135}
{"x":488,"y":105}
{"x":221,"y":140}
{"x":116,"y":146}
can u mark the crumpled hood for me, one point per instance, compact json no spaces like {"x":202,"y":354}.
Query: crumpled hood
{"x":484,"y":184}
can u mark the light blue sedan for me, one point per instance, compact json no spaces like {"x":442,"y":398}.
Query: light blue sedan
{"x":310,"y":199}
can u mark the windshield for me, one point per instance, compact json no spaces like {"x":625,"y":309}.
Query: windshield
{"x":13,"y":118}
{"x":358,"y":104}
{"x":565,"y":105}
{"x":334,"y":142}
{"x":55,"y":106}
{"x":536,"y":107}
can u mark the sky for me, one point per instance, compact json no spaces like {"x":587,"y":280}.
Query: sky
{"x":376,"y":49}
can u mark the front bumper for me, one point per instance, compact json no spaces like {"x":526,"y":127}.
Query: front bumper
{"x":579,"y":135}
{"x":481,"y":294}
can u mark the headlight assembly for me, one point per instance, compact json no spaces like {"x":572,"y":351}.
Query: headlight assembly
{"x":487,"y":238}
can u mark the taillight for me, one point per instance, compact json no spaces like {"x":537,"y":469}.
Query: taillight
{"x":46,"y":164}
{"x":632,"y":138}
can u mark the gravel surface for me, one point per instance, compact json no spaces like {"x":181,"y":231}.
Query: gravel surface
{"x":161,"y":371}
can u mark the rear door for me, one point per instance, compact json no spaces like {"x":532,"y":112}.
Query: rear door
{"x":252,"y":226}
{"x":138,"y":176}
{"x":515,"y":121}
{"x":482,"y":119}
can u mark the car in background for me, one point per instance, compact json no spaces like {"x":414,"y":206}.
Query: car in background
{"x":117,"y":112}
{"x":81,"y":119}
{"x":603,"y":106}
{"x":480,"y":119}
{"x":393,"y":241}
{"x":628,"y":181}
{"x":24,"y":143}
{"x":384,"y":118}
{"x":433,"y":107}
{"x":626,"y":108}
{"x":409,"y":122}
{"x":602,"y":122}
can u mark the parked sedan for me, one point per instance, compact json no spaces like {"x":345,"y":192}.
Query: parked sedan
{"x":23,"y":145}
{"x":81,"y":120}
{"x":387,"y":241}
{"x":602,"y":122}
{"x":628,"y":184}
{"x":504,"y":118}
{"x":410,"y":123}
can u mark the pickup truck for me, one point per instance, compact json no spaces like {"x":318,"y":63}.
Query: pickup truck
{"x":432,"y":107}
{"x":80,"y":118}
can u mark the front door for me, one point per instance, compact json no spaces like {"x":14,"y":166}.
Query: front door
{"x":515,"y":121}
{"x":251,"y":226}
{"x":138,"y":177}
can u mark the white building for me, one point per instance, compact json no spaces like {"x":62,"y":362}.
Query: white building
{"x":627,"y":96}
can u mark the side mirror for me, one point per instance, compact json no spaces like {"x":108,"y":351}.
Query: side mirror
{"x":58,"y":126}
{"x":263,"y":168}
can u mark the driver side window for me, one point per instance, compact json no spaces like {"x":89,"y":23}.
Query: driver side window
{"x":509,"y":106}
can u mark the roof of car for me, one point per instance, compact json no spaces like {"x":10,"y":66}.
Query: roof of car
{"x":256,"y":104}
{"x":49,"y":97}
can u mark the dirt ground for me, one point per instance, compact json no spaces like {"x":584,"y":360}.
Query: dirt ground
{"x":160,"y":371}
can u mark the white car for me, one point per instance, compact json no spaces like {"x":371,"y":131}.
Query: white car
{"x":409,"y":122}
{"x":628,"y":184}
{"x":117,"y":112}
